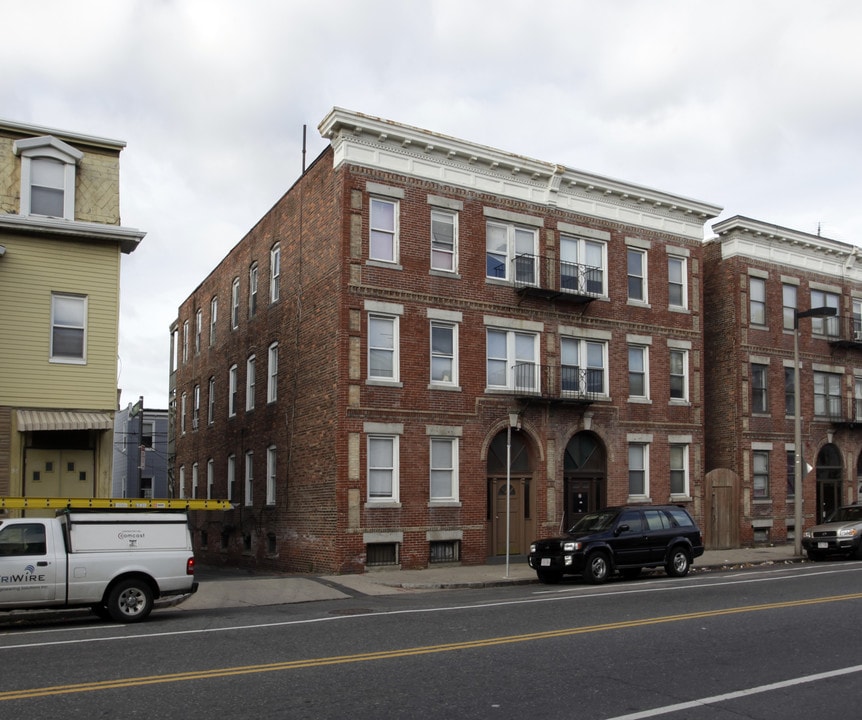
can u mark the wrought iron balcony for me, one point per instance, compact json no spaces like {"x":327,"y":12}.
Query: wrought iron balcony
{"x":541,"y":276}
{"x":842,"y":331}
{"x":558,"y":383}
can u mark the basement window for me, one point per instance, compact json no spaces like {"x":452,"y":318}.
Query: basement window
{"x":378,"y":554}
{"x":445,"y":551}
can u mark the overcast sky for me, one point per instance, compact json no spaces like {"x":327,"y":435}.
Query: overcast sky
{"x":753,"y":105}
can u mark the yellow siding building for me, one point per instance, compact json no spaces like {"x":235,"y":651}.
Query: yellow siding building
{"x":60,"y":247}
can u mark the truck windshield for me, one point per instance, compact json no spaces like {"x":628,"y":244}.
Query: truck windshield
{"x":593,"y":522}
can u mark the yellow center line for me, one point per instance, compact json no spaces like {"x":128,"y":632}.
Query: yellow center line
{"x":405,"y":652}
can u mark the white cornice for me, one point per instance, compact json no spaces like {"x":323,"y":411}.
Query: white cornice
{"x":30,"y":130}
{"x":128,"y":238}
{"x":382,"y":144}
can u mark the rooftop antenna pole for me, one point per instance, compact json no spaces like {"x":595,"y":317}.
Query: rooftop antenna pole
{"x":303,"y":149}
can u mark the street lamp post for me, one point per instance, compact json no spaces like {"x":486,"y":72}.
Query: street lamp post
{"x":514,"y":422}
{"x":797,"y":424}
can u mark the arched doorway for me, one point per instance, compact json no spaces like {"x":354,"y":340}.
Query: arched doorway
{"x":829,"y":472}
{"x":584,"y":476}
{"x":521,"y":501}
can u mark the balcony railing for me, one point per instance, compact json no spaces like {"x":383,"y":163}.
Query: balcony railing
{"x":560,"y":383}
{"x":841,"y":331}
{"x":542,"y":276}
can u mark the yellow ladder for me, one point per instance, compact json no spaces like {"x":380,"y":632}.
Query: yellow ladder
{"x":56,"y":503}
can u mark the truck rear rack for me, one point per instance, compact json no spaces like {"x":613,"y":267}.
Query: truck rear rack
{"x":84,"y":503}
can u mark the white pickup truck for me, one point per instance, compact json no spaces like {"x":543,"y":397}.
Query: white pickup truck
{"x":117,"y":564}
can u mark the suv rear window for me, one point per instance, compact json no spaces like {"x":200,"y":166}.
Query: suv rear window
{"x":657,"y":520}
{"x":681,"y":517}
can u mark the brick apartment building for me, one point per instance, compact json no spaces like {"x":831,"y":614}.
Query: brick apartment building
{"x":757,"y":278}
{"x":350,"y":373}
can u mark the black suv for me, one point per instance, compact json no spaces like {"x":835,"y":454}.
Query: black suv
{"x":620,"y":539}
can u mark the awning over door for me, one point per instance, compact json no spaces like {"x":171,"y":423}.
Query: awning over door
{"x":32,"y":420}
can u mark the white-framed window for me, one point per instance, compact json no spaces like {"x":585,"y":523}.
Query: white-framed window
{"x":182,"y":481}
{"x":68,"y":328}
{"x":383,"y":238}
{"x":249,"y":478}
{"x":827,"y":394}
{"x":512,"y":359}
{"x":789,"y":294}
{"x":638,"y":469}
{"x":677,"y":281}
{"x":678,"y":374}
{"x":185,"y":342}
{"x":584,"y":366}
{"x":636,"y":261}
{"x":760,"y":474}
{"x":583,"y":264}
{"x":196,"y":406}
{"x":757,"y":301}
{"x":383,"y":363}
{"x":213,"y":319}
{"x":857,"y":398}
{"x":183,"y":410}
{"x":857,"y":320}
{"x":252,"y":290}
{"x":638,"y":371}
{"x":825,"y":325}
{"x":383,"y":468}
{"x":249,"y":382}
{"x":510,"y":252}
{"x":194,"y":481}
{"x":272,"y":373}
{"x":210,"y":478}
{"x":231,"y":476}
{"x":759,"y":388}
{"x":270,"y":474}
{"x":231,"y":390}
{"x":199,"y":324}
{"x":444,"y":469}
{"x":274,"y":272}
{"x":444,"y":240}
{"x":234,"y":304}
{"x":211,"y":402}
{"x":48,"y":169}
{"x":679,"y":475}
{"x":444,"y":353}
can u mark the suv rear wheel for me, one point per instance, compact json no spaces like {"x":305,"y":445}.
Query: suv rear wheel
{"x":678,"y":562}
{"x":598,"y":568}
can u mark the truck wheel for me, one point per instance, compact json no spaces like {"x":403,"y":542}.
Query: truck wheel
{"x":678,"y":563}
{"x":597,"y":569}
{"x":130,"y":600}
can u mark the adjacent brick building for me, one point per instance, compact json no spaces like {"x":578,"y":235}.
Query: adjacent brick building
{"x":757,"y":278}
{"x":347,"y":374}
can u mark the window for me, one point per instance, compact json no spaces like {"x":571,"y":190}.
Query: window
{"x":383,"y":241}
{"x":211,"y":402}
{"x":249,"y":477}
{"x":788,"y":306}
{"x":383,"y":348}
{"x":185,"y":342}
{"x":857,"y":398}
{"x":584,"y":366}
{"x":20,"y":540}
{"x":249,"y":383}
{"x":677,"y":282}
{"x":506,"y":244}
{"x":213,"y":319}
{"x":757,"y":301}
{"x":274,"y":272}
{"x":231,"y":383}
{"x":679,"y":375}
{"x":444,"y":240}
{"x":857,"y":320}
{"x":679,"y":470}
{"x":196,"y":406}
{"x":383,"y":468}
{"x":48,"y":168}
{"x":638,"y":380}
{"x":759,"y":399}
{"x":252,"y":290}
{"x":638,"y":469}
{"x":827,"y":395}
{"x":210,"y":479}
{"x":760,"y":474}
{"x":825,"y":325}
{"x":789,"y":392}
{"x":68,"y":328}
{"x":444,"y":349}
{"x":444,"y":469}
{"x":270,"y":475}
{"x":791,"y":473}
{"x":272,"y":373}
{"x":234,"y":304}
{"x":512,"y":360}
{"x":637,"y":278}
{"x":231,"y":476}
{"x":182,"y":481}
{"x":582,"y":265}
{"x":183,"y":410}
{"x":199,"y":320}
{"x":147,"y":432}
{"x":194,"y":481}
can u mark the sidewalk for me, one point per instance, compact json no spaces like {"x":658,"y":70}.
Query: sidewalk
{"x":222,"y":588}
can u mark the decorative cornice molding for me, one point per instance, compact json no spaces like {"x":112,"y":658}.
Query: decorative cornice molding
{"x":128,"y":238}
{"x":385,"y":145}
